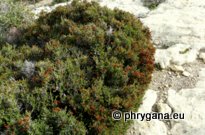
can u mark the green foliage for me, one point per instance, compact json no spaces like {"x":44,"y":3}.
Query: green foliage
{"x":57,"y":122}
{"x":153,"y":6}
{"x":12,"y":14}
{"x":59,"y":1}
{"x":30,"y":1}
{"x":73,"y":67}
{"x":185,"y":51}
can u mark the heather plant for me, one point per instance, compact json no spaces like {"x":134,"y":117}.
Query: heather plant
{"x":12,"y":14}
{"x":72,"y":68}
{"x":28,"y":110}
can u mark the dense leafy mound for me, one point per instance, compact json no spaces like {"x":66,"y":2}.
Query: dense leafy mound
{"x":74,"y":67}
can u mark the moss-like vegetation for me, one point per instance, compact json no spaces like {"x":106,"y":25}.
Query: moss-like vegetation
{"x":72,"y":68}
{"x":153,"y":6}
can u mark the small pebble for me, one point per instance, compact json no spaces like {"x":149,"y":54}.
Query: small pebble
{"x":185,"y":73}
{"x":177,"y":68}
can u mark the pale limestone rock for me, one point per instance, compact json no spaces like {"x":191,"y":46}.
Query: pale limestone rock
{"x":173,"y":22}
{"x":153,"y":127}
{"x":191,"y":102}
{"x":149,"y":100}
{"x":177,"y":54}
{"x":164,"y":108}
{"x":177,"y":68}
{"x":162,"y":58}
{"x":185,"y":73}
{"x":183,"y":128}
{"x":133,"y":6}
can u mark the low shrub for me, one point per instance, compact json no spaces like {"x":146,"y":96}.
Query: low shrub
{"x":72,"y":68}
{"x":12,"y":14}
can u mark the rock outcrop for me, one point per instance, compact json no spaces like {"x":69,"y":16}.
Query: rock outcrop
{"x":179,"y":25}
{"x":153,"y":127}
{"x":191,"y":102}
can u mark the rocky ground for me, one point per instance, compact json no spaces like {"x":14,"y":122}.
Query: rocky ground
{"x":173,"y":92}
{"x":180,"y":90}
{"x":177,"y":77}
{"x":178,"y":32}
